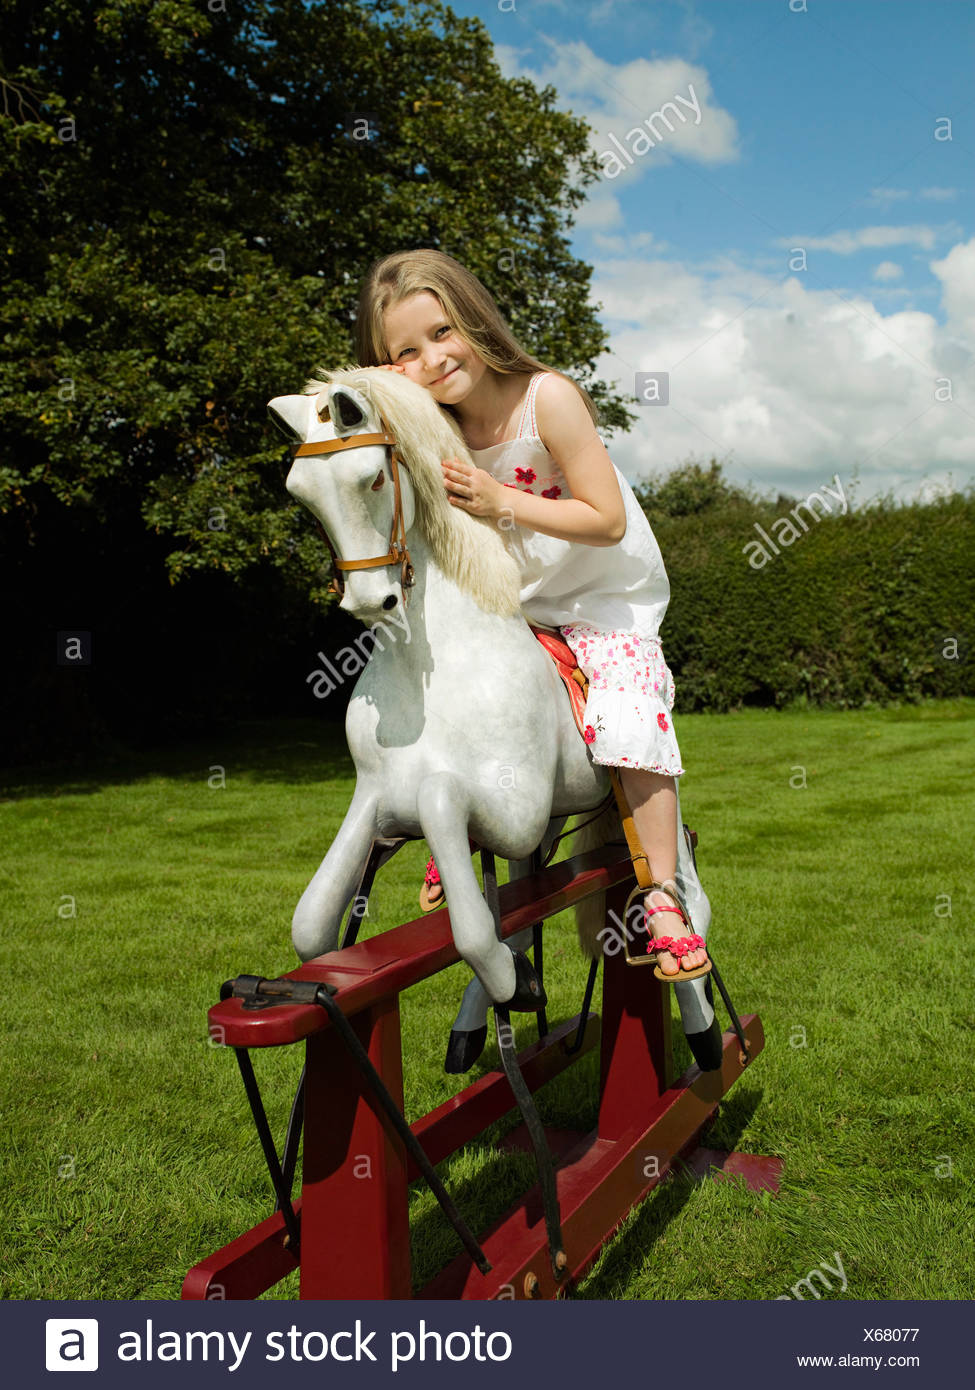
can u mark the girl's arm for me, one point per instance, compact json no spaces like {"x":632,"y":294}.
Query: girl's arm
{"x":594,"y":514}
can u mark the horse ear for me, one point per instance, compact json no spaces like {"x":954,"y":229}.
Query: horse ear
{"x":346,"y":408}
{"x":290,"y":415}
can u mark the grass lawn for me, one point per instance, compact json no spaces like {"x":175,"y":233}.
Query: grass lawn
{"x":836,"y":849}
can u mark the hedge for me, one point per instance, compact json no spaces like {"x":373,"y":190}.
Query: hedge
{"x":872,"y":607}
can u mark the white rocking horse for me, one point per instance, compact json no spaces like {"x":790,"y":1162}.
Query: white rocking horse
{"x":458,"y":726}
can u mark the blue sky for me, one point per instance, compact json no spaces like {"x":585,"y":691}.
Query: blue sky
{"x":815,"y":135}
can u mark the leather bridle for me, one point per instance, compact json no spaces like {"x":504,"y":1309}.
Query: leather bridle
{"x":398,"y":553}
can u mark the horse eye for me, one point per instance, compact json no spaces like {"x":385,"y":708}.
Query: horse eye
{"x":380,"y":479}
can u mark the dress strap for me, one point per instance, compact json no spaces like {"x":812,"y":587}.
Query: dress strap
{"x":528,"y":410}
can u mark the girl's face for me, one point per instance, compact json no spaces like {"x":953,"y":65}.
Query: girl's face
{"x":425,"y":344}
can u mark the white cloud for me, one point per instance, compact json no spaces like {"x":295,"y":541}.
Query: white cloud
{"x":617,"y":98}
{"x":887,"y":270}
{"x":639,"y":241}
{"x":601,"y":210}
{"x":509,"y":60}
{"x":957,"y":275}
{"x":846,"y":242}
{"x":887,"y":195}
{"x":797,"y":385}
{"x":898,"y":195}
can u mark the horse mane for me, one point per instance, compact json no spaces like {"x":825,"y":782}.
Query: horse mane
{"x":468,"y":549}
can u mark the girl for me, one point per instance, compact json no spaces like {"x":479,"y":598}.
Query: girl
{"x":590,"y":564}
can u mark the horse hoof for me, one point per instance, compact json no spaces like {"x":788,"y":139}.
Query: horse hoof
{"x":529,"y":995}
{"x":706,"y":1047}
{"x":464,"y":1048}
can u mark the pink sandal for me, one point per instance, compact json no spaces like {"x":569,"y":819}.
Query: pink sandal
{"x":431,"y":894}
{"x":678,"y":947}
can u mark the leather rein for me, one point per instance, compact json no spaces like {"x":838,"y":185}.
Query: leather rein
{"x":398,"y":553}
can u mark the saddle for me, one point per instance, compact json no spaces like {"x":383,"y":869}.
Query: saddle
{"x":568,"y":668}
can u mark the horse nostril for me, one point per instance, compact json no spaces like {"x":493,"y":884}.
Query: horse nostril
{"x":389,"y":602}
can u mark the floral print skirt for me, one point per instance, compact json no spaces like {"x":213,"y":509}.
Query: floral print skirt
{"x":628,"y":720}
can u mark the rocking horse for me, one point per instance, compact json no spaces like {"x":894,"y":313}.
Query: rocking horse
{"x":461,"y":733}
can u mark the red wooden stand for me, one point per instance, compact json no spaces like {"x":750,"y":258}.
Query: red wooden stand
{"x":353,"y":1204}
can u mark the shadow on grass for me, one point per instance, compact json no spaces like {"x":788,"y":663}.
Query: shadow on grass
{"x":311,"y":750}
{"x":502,"y":1182}
{"x":665,"y":1203}
{"x":301,"y":752}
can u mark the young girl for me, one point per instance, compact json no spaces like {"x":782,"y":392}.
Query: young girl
{"x":590,"y":564}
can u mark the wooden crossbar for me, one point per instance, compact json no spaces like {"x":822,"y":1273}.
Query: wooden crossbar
{"x":385,"y":965}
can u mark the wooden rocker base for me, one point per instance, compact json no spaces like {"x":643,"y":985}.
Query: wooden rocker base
{"x":599,"y":1182}
{"x":356,"y":1170}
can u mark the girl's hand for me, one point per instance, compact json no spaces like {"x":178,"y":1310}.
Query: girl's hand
{"x":472,"y":489}
{"x":391,"y":367}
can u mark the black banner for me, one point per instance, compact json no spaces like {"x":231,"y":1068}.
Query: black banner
{"x":424,"y":1344}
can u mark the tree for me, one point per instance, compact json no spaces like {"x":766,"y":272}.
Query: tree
{"x":194,"y":191}
{"x":691,"y":489}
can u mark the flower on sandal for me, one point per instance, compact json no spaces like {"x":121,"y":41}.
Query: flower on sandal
{"x":661,"y":943}
{"x":683,"y":946}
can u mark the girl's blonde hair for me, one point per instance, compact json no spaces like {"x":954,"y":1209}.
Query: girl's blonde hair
{"x":468,"y":306}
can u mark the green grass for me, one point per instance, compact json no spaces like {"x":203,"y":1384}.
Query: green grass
{"x":128,"y":1153}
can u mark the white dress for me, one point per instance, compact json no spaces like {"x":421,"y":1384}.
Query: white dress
{"x":609,"y":602}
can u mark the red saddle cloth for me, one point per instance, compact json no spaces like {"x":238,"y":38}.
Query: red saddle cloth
{"x":568,"y":668}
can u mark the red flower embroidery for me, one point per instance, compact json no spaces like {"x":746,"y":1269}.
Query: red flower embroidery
{"x":590,"y":734}
{"x":511,"y":485}
{"x":552,"y":492}
{"x":525,"y":475}
{"x":662,"y":722}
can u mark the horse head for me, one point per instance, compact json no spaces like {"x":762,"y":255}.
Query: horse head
{"x":367,"y":503}
{"x":363,"y":501}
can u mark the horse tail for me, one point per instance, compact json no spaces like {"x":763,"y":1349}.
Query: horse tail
{"x":591,"y":912}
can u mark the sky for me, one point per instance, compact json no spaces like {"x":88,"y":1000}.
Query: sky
{"x":792,"y":243}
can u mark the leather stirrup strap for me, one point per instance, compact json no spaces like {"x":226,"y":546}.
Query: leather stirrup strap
{"x":641,"y":864}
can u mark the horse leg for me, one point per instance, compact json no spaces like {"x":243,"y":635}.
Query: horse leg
{"x":444,"y":808}
{"x":695,"y":998}
{"x":318,"y":916}
{"x":468,"y":1034}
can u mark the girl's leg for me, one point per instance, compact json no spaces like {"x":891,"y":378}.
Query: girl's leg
{"x":653,"y":801}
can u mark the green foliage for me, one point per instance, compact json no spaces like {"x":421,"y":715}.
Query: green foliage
{"x":860,"y":609}
{"x":189,"y":212}
{"x":690,"y":490}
